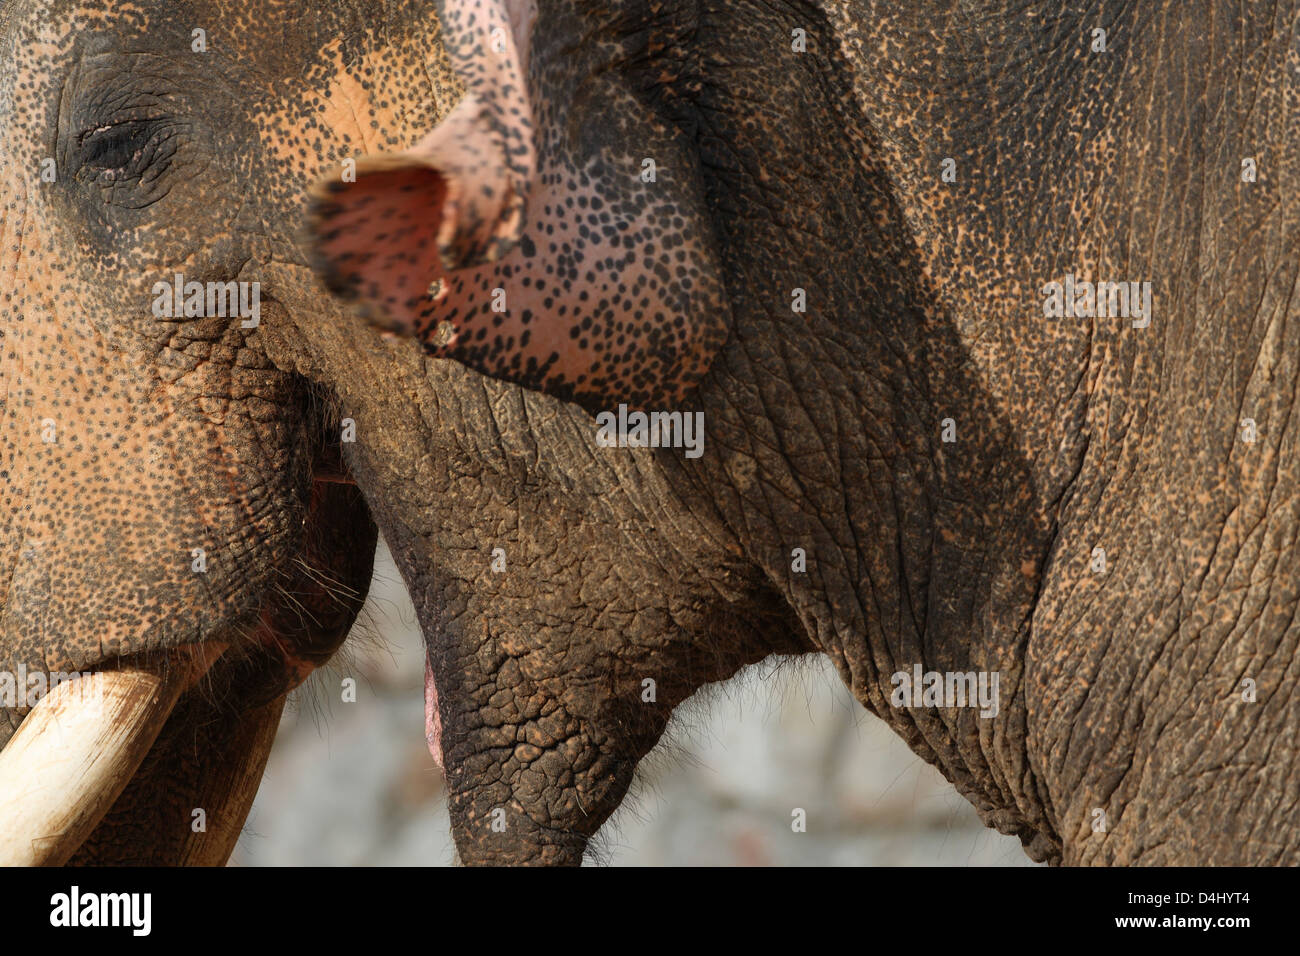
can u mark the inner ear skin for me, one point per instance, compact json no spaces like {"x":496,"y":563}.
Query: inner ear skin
{"x":485,"y":147}
{"x":611,"y":295}
{"x":612,"y":292}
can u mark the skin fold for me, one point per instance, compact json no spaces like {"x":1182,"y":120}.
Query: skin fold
{"x":820,"y":170}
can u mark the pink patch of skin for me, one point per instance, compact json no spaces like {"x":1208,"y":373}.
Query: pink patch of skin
{"x":406,"y":193}
{"x":432,"y":719}
{"x":486,"y":174}
{"x":558,"y":278}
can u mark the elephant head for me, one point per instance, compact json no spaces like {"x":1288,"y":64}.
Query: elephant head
{"x":837,"y":231}
{"x":654,"y":208}
{"x":170,"y":480}
{"x":760,"y":214}
{"x":191,"y":501}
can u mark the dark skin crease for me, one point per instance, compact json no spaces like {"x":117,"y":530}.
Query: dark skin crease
{"x":817,"y":171}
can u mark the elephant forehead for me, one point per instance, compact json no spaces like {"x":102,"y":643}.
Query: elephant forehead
{"x":250,"y":44}
{"x":341,"y":106}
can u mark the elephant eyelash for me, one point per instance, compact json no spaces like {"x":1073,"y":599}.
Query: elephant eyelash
{"x":120,"y":149}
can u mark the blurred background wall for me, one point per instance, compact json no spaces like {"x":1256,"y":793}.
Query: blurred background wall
{"x":353,"y":783}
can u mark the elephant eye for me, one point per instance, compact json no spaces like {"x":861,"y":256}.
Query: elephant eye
{"x":118,"y":151}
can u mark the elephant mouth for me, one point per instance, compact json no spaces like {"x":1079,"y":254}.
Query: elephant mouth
{"x":69,"y":767}
{"x":308,"y":613}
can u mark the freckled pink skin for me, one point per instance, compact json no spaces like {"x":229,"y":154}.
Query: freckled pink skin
{"x":432,"y":721}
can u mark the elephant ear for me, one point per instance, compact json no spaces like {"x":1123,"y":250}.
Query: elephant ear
{"x":520,"y":236}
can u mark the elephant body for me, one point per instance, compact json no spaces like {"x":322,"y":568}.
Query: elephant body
{"x":912,"y":462}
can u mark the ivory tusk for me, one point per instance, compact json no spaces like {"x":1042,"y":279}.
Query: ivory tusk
{"x":74,"y":752}
{"x":228,"y":788}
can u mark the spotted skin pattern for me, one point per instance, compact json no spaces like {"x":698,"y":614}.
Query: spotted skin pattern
{"x":128,"y":441}
{"x":598,"y":285}
{"x":823,"y":171}
{"x":817,"y":170}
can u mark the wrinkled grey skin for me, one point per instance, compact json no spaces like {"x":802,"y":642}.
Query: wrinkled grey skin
{"x":1139,"y":698}
{"x":1120,"y":691}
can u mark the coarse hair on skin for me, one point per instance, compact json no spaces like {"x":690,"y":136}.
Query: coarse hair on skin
{"x":366,"y":642}
{"x":756,"y":686}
